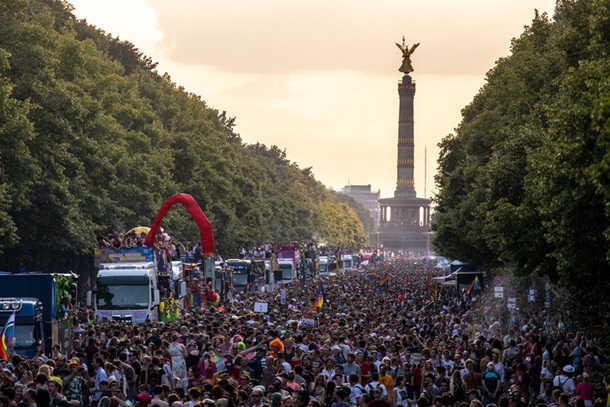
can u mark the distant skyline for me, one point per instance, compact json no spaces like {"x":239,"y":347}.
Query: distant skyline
{"x":319,"y":79}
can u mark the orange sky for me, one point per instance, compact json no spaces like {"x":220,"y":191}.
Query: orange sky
{"x":319,"y":78}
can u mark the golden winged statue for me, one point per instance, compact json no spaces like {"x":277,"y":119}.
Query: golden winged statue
{"x":406,"y":66}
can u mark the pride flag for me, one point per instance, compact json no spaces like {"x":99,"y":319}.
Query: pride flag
{"x":320,"y":297}
{"x":476,"y":284}
{"x":7,"y":338}
{"x":219,"y":361}
{"x":383,"y":284}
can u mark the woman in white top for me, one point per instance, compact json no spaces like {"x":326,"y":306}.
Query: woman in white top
{"x":399,"y":393}
{"x":546,"y":375}
{"x":178,"y":353}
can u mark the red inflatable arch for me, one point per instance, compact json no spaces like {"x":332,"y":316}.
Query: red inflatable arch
{"x":205,"y":227}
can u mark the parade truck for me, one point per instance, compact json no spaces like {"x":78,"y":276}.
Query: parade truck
{"x":35,"y":299}
{"x":289,"y":263}
{"x":347,"y":261}
{"x":323,"y":265}
{"x":241,"y":274}
{"x":128,"y":286}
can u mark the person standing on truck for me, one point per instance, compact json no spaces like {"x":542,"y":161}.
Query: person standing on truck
{"x":197,"y":253}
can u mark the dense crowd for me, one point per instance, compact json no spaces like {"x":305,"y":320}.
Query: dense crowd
{"x":406,"y":345}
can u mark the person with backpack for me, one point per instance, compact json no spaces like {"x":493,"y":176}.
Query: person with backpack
{"x":374,"y":384}
{"x":356,"y":389}
{"x":472,"y":379}
{"x":564,"y":381}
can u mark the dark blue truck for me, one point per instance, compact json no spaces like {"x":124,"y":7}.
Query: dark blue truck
{"x":39,"y":321}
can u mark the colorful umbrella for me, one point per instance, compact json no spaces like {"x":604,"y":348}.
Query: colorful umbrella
{"x":139,"y":230}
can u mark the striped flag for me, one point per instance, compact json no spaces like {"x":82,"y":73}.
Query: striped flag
{"x":7,"y":338}
{"x":383,"y":284}
{"x":476,"y":284}
{"x":320,"y":297}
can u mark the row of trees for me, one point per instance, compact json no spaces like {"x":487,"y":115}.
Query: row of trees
{"x":93,"y":139}
{"x":524,"y":182}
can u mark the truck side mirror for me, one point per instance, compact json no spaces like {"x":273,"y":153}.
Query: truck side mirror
{"x":156,"y":298}
{"x":89,"y":298}
{"x":182,"y":289}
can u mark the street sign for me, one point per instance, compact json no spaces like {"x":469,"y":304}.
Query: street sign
{"x":260,"y":307}
{"x":498,"y":291}
{"x":531,"y":295}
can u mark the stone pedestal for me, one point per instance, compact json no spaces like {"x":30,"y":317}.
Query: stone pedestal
{"x":404,"y":222}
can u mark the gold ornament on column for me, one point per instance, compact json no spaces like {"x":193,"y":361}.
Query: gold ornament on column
{"x":406,"y":66}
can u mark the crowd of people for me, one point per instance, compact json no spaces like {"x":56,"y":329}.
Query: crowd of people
{"x":400,"y":344}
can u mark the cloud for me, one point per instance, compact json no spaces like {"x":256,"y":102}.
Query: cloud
{"x":280,"y":37}
{"x":318,"y":78}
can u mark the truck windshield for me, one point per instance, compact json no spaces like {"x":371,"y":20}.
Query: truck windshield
{"x":123,"y":292}
{"x":24,"y":333}
{"x":24,"y":337}
{"x":347,"y":263}
{"x":287,"y":272}
{"x":240,"y":279}
{"x":323,"y":267}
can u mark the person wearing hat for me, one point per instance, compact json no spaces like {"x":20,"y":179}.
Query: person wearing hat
{"x":73,"y":383}
{"x":564,"y":381}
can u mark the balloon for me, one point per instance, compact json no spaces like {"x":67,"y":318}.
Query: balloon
{"x":401,"y":297}
{"x":205,"y":227}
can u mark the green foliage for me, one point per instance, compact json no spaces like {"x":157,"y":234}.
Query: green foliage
{"x":363,"y":214}
{"x":93,"y":140}
{"x":340,"y":226}
{"x":524,"y":181}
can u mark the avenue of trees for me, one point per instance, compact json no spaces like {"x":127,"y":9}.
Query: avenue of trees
{"x":524,"y":183}
{"x":93,"y":139}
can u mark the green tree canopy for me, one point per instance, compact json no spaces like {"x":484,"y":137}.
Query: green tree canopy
{"x":94,"y":140}
{"x":523,"y":182}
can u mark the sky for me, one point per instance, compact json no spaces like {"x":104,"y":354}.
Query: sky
{"x":318,"y":78}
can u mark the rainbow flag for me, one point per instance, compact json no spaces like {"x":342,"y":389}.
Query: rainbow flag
{"x":219,"y":361}
{"x":476,"y":284}
{"x":320,"y":297}
{"x":383,"y":284}
{"x":7,"y":338}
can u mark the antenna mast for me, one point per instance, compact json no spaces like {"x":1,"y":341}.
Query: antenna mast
{"x":425,"y":169}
